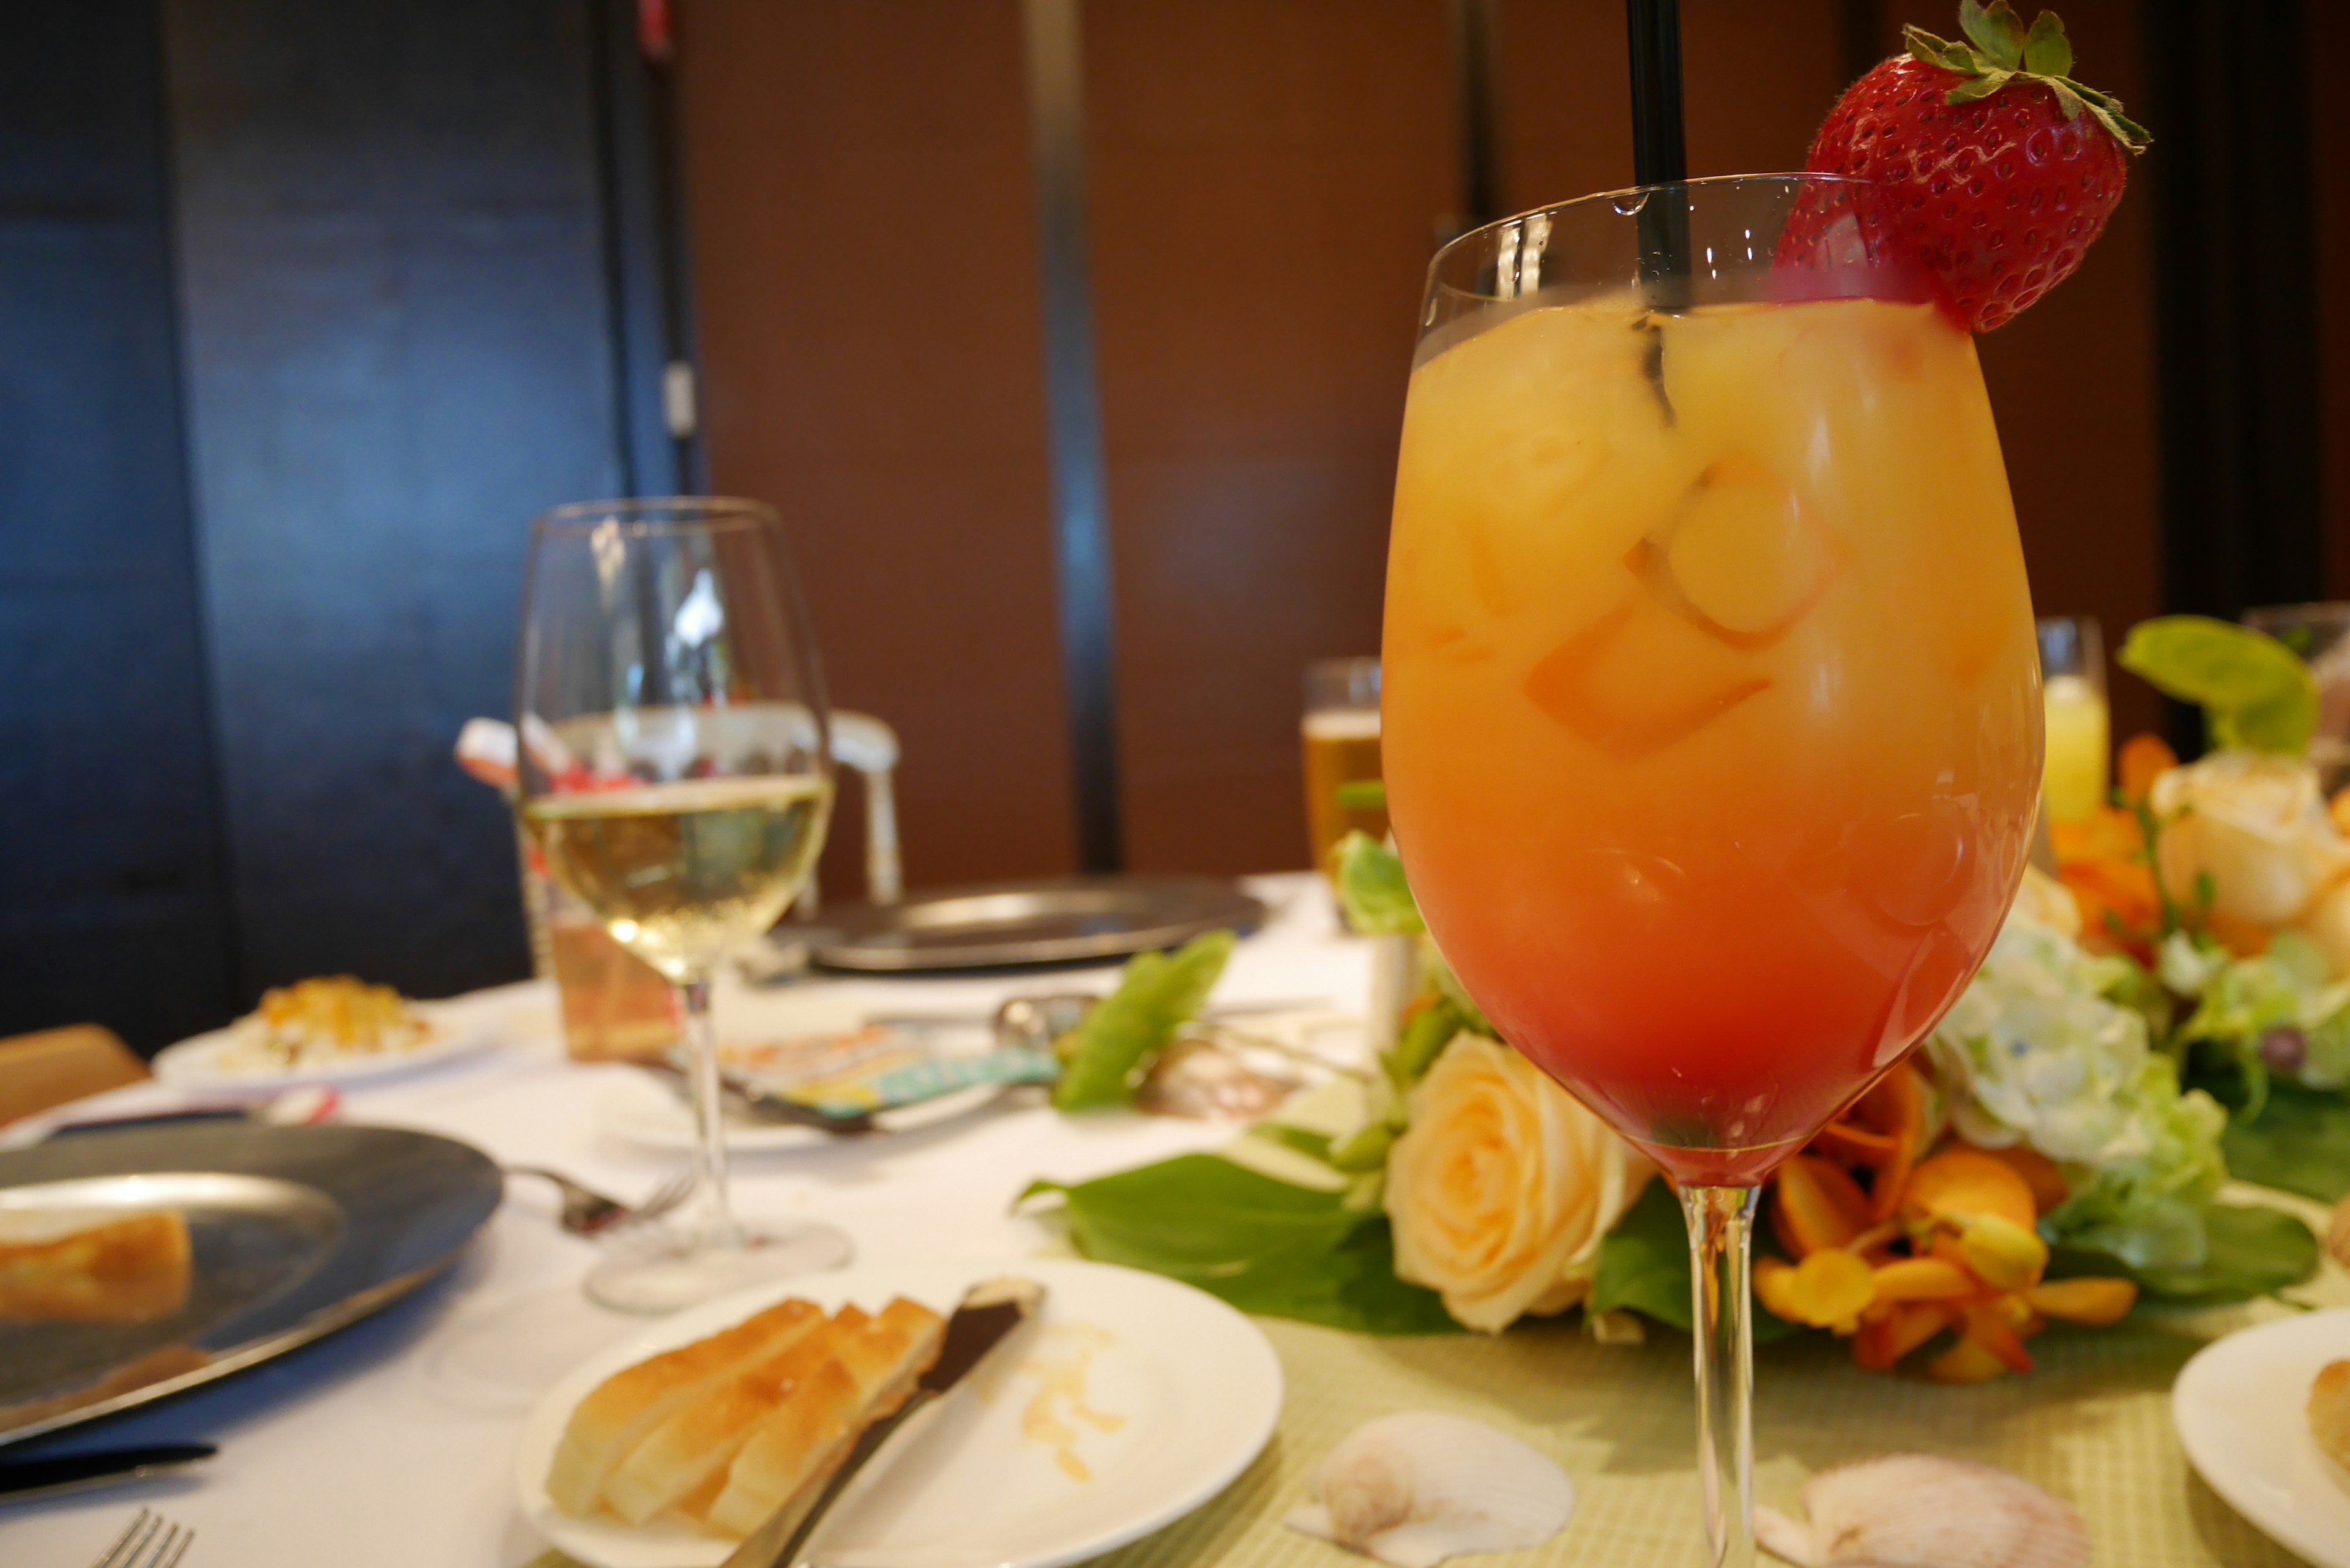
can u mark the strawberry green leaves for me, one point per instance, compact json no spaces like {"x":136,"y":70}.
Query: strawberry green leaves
{"x":2047,"y":52}
{"x":1998,"y":32}
{"x":2000,"y":50}
{"x":2256,"y":694}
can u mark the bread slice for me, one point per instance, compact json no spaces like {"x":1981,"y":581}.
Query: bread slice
{"x":893,"y":1349}
{"x":682,"y":1453}
{"x":614,"y":1419}
{"x":2329,"y":1412}
{"x":793,"y":1452}
{"x":86,"y":1268}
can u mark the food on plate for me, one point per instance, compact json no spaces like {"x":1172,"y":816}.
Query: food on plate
{"x":791,"y":1457}
{"x":1927,"y":1511}
{"x":2337,"y":1234}
{"x":612,"y":1420}
{"x":724,"y":1431}
{"x":324,"y":1020}
{"x":1416,"y":1487}
{"x":2329,"y":1412}
{"x":83,"y":1268}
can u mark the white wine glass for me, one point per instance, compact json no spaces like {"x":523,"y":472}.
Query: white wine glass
{"x":675,"y":772}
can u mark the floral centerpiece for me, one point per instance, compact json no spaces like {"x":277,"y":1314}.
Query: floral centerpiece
{"x":2055,"y":1152}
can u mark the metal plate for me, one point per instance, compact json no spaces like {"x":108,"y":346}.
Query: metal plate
{"x":1058,"y":919}
{"x":296,"y":1230}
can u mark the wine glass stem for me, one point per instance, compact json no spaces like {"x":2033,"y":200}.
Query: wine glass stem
{"x":1720,"y":1229}
{"x":717,"y":1227}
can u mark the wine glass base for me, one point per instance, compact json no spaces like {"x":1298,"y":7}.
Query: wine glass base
{"x":670,"y":1271}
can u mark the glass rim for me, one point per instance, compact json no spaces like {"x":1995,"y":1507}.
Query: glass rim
{"x":1483,"y":231}
{"x":656,"y":516}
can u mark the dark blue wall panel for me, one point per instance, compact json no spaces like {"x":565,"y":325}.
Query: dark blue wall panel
{"x":111,"y":903}
{"x":398,"y":334}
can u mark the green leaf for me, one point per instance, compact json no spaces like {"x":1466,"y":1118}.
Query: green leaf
{"x":2253,"y":1252}
{"x":1372,"y":886}
{"x":2300,"y":1143}
{"x":1363,"y":794}
{"x":1997,"y":32}
{"x":1423,"y":1039}
{"x":1980,"y":87}
{"x":1365,"y":1150}
{"x":1644,"y":1267}
{"x":1115,"y":1044}
{"x":2256,"y":694}
{"x":2047,"y":52}
{"x":1313,"y":1145}
{"x":1930,"y":50}
{"x":1263,"y":1245}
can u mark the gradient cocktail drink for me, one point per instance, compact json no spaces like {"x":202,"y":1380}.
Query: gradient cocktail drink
{"x":1712,"y":719}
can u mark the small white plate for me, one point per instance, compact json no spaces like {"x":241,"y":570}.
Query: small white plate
{"x":2240,"y":1407}
{"x":640,"y":1110}
{"x":195,"y":1064}
{"x":1178,"y":1393}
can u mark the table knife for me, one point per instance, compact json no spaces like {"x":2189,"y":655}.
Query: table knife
{"x":23,"y":1479}
{"x":991,"y":1310}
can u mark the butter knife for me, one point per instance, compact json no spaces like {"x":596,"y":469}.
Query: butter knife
{"x":22,"y":1479}
{"x":991,"y":1310}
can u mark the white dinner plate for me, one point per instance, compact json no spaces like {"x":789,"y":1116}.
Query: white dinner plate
{"x":1165,"y":1392}
{"x":195,"y":1064}
{"x":644,"y":1111}
{"x":2240,"y":1407}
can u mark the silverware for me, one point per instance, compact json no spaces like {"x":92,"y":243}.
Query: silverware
{"x":23,"y":1479}
{"x":991,"y":1310}
{"x":588,"y":1212}
{"x":150,"y":1542}
{"x":765,"y":1104}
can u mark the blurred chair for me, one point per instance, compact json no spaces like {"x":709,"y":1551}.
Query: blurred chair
{"x":40,"y":1071}
{"x":864,"y":742}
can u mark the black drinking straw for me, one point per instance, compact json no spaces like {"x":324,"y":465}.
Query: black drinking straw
{"x":1660,"y":153}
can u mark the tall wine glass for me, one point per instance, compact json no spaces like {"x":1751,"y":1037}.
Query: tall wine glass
{"x":675,"y":775}
{"x":1712,"y":719}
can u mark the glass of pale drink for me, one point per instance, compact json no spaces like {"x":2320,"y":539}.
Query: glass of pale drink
{"x":675,"y":777}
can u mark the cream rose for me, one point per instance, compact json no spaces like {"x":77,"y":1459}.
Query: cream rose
{"x":2255,"y":823}
{"x":1502,"y":1187}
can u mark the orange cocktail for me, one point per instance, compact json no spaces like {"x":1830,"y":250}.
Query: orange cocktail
{"x":1712,"y":720}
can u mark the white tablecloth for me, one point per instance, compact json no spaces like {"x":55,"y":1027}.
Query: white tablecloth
{"x":391,"y":1443}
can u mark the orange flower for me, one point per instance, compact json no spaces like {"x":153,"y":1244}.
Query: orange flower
{"x":1927,"y":1247}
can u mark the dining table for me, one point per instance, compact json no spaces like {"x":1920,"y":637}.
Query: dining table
{"x":391,"y":1444}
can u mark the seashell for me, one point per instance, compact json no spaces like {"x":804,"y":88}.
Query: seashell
{"x":1416,"y":1487}
{"x":1921,"y":1511}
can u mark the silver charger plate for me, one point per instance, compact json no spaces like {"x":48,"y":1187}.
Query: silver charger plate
{"x":295,"y":1232}
{"x":1052,"y":919}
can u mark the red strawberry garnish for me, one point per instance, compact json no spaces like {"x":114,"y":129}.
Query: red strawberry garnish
{"x":1987,"y":171}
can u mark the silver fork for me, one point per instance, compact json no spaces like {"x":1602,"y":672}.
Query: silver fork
{"x":588,"y":1212}
{"x":150,"y":1542}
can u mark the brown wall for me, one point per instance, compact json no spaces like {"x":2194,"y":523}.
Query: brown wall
{"x":2329,"y":114}
{"x":863,"y":230}
{"x":1267,"y":182}
{"x":1266,"y":176}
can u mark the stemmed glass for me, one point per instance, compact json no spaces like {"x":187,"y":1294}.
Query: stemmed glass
{"x":1712,"y":719}
{"x":676,"y":775}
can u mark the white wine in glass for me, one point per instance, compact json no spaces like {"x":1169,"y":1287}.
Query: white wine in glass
{"x":675,"y":776}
